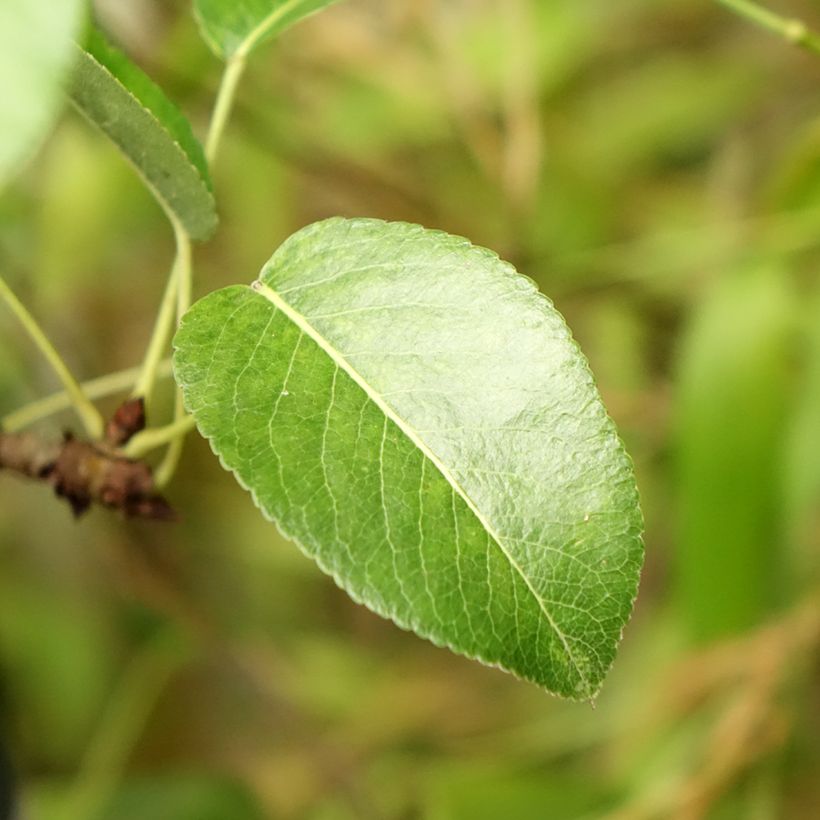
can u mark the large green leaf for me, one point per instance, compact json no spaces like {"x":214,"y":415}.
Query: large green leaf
{"x":149,"y":129}
{"x":416,"y":416}
{"x":36,"y":50}
{"x":238,"y":26}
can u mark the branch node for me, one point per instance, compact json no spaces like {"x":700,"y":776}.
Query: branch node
{"x":84,"y":473}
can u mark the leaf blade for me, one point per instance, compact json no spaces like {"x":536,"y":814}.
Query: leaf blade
{"x":152,"y":133}
{"x":448,"y":547}
{"x":232,"y":27}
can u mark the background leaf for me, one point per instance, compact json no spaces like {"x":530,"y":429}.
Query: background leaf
{"x":36,"y":51}
{"x":149,"y":129}
{"x":417,"y":417}
{"x":734,"y":396}
{"x":231,"y":26}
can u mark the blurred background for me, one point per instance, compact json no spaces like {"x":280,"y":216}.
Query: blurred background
{"x":655,"y":167}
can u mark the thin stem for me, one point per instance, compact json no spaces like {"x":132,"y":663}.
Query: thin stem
{"x":148,"y":440}
{"x":182,"y":424}
{"x":175,"y":432}
{"x":159,"y":338}
{"x":184,"y":272}
{"x":179,"y":290}
{"x":224,"y":102}
{"x":168,"y":465}
{"x":89,"y":415}
{"x":180,"y":273}
{"x":97,"y":388}
{"x":795,"y":31}
{"x":121,"y":725}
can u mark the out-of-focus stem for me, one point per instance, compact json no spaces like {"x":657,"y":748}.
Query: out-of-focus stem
{"x":795,"y":31}
{"x":98,"y":388}
{"x":88,"y":413}
{"x":178,"y":279}
{"x":148,"y":440}
{"x":223,"y":105}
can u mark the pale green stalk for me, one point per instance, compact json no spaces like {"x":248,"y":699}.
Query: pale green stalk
{"x":89,"y":415}
{"x":97,"y":388}
{"x":234,"y":69}
{"x":180,"y":273}
{"x":179,"y":290}
{"x":174,"y":433}
{"x":122,"y":722}
{"x":795,"y":31}
{"x":148,"y":440}
{"x":175,"y":301}
{"x":180,"y":427}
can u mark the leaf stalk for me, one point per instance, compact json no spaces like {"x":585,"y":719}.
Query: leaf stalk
{"x":117,"y":382}
{"x":234,"y":69}
{"x":793,"y":30}
{"x":179,"y":278}
{"x":88,"y":413}
{"x":148,"y":440}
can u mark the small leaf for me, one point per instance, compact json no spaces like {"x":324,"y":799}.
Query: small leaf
{"x":36,"y":51}
{"x":149,"y":129}
{"x":237,"y":26}
{"x":417,"y":417}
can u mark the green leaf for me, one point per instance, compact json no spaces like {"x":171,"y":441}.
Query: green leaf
{"x":237,"y":26}
{"x":417,"y":417}
{"x":150,"y":130}
{"x":733,"y":403}
{"x":36,"y":51}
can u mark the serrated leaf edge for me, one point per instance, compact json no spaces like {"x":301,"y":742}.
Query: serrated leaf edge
{"x":637,"y":529}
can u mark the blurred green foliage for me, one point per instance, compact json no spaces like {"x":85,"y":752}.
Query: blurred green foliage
{"x":656,"y":168}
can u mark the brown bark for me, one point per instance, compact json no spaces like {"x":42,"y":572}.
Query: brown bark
{"x":84,"y":473}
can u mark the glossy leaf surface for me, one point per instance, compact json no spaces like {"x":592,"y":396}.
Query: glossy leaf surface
{"x":149,"y":129}
{"x":238,"y":26}
{"x":417,"y":417}
{"x":36,"y":51}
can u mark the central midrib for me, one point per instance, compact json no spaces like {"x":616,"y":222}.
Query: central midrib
{"x":336,"y":356}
